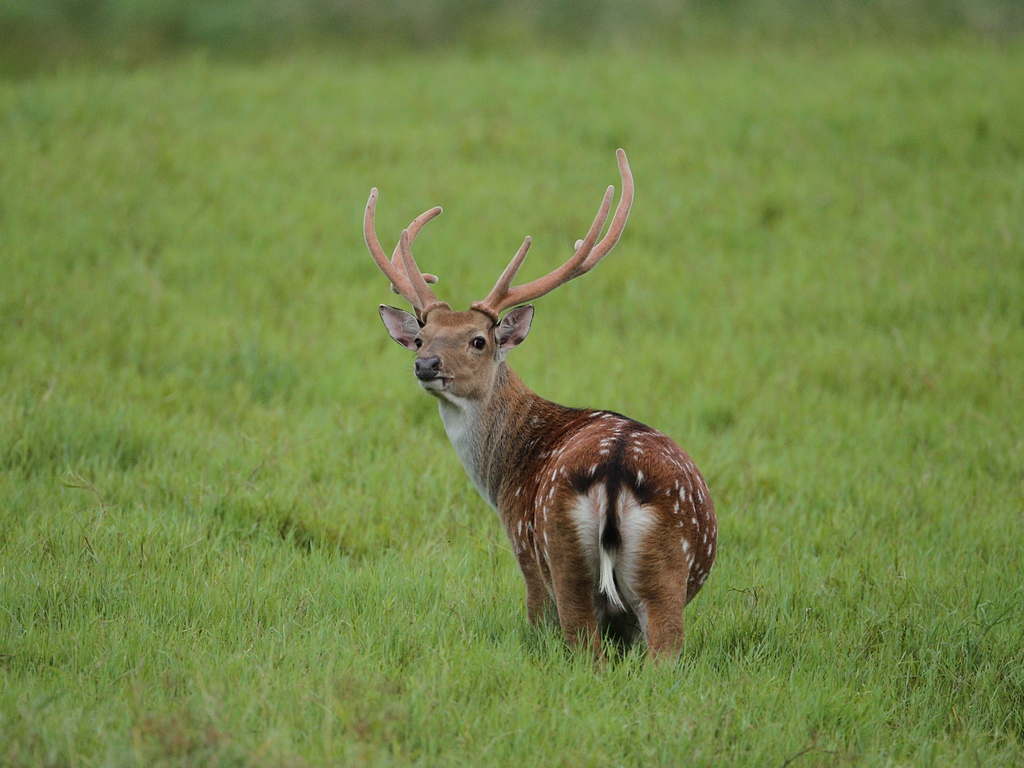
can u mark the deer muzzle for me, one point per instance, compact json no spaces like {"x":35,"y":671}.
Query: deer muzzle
{"x":428,"y":368}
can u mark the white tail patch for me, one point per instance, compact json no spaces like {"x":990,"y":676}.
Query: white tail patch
{"x":588,"y":514}
{"x":634,"y":522}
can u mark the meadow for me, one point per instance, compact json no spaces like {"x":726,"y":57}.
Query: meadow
{"x":233,"y":532}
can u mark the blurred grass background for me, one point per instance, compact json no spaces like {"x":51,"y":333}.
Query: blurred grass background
{"x":38,"y":34}
{"x":232,"y":530}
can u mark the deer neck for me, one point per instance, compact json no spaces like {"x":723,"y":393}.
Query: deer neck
{"x":486,"y":432}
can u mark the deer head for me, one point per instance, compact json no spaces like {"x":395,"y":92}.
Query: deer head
{"x":458,"y":353}
{"x":609,"y":520}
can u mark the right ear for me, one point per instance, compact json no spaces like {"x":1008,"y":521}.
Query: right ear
{"x":514,"y":326}
{"x":403,"y":327}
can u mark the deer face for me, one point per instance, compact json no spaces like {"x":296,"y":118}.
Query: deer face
{"x":457,"y":353}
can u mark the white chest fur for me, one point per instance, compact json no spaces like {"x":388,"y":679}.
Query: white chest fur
{"x":461,"y":420}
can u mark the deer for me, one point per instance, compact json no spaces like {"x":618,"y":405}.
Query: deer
{"x":611,"y":523}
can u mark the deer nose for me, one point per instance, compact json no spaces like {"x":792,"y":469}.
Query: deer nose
{"x":427,"y":368}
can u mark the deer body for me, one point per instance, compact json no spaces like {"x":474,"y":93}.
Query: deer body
{"x":610,"y":522}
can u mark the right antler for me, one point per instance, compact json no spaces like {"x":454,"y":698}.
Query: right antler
{"x":502,"y":296}
{"x":406,"y":278}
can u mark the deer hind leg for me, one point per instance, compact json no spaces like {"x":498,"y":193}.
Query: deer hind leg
{"x":665,"y":625}
{"x":661,"y":587}
{"x":574,"y":600}
{"x":572,"y":561}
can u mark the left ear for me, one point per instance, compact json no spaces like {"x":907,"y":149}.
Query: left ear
{"x":514,"y":326}
{"x":402,"y":326}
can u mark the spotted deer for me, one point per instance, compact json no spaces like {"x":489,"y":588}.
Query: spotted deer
{"x":610,"y":521}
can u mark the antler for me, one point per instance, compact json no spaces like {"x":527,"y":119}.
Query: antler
{"x":502,"y":296}
{"x":406,"y":278}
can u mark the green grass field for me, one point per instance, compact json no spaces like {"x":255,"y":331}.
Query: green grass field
{"x":233,"y":532}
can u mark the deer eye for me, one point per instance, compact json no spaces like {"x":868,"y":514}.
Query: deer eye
{"x":479,"y":342}
{"x":418,"y":342}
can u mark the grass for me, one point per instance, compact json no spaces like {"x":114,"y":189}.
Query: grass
{"x":232,"y":530}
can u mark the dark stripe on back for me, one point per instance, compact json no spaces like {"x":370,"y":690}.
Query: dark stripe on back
{"x":614,"y":470}
{"x":644,"y":492}
{"x":615,"y":474}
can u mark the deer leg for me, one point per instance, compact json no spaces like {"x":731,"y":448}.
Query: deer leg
{"x":665,"y":627}
{"x":664,"y":596}
{"x":540,"y":608}
{"x":574,"y":600}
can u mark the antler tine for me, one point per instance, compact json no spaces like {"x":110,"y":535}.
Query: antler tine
{"x":394,"y":268}
{"x":399,"y":281}
{"x":426,"y":300}
{"x":502,"y":297}
{"x":414,"y":229}
{"x":542,"y":285}
{"x":491,"y":306}
{"x":618,"y":220}
{"x":583,"y":260}
{"x":502,"y":286}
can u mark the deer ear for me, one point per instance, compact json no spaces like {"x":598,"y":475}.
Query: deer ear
{"x":513,"y":327}
{"x":402,"y":326}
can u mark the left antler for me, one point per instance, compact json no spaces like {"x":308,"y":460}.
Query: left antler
{"x":406,"y":278}
{"x":503,"y":296}
{"x":414,"y":229}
